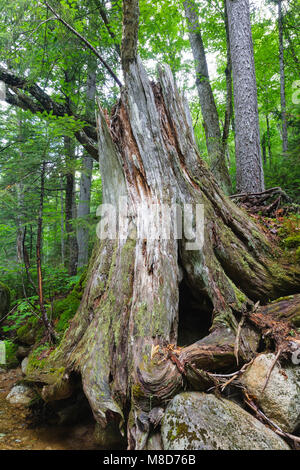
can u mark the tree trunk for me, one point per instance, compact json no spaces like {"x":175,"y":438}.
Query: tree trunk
{"x":215,"y":148}
{"x":249,"y":170}
{"x":44,"y":316}
{"x":141,"y":289}
{"x":70,"y":205}
{"x":62,"y":221}
{"x":83,"y":210}
{"x":269,"y":140}
{"x":229,"y":98}
{"x":282,"y":80}
{"x":130,"y":307}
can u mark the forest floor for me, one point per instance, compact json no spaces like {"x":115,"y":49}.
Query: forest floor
{"x":16,"y":433}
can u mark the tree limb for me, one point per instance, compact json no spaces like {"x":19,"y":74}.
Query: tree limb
{"x":86,"y":42}
{"x":40,"y":101}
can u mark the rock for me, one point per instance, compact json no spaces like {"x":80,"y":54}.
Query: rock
{"x":20,"y":395}
{"x":22,"y":352}
{"x":4,"y":300}
{"x":24,"y":365}
{"x":280,"y":400}
{"x":154,"y":442}
{"x":199,"y":421}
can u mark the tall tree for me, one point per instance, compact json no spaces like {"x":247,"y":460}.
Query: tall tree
{"x":83,"y":210}
{"x":282,"y":79}
{"x":215,"y":149}
{"x":249,"y":170}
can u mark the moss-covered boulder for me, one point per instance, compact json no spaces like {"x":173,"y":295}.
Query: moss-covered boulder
{"x":31,"y":332}
{"x":280,"y":400}
{"x":298,"y":254}
{"x":292,"y":241}
{"x":4,"y":300}
{"x":200,"y":421}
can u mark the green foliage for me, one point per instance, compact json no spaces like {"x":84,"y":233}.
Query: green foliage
{"x":31,"y":331}
{"x":21,"y":312}
{"x":10,"y":351}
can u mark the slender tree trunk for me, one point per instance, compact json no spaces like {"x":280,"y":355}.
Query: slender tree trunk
{"x":269,"y":140}
{"x":264,"y":148}
{"x":47,"y":323}
{"x":228,"y":73}
{"x":62,"y":221}
{"x":123,"y":339}
{"x":249,"y":171}
{"x":215,"y":149}
{"x":282,"y":80}
{"x":70,"y":204}
{"x":19,"y":219}
{"x":86,"y":181}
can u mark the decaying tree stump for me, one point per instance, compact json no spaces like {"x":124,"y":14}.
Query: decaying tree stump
{"x":123,"y":339}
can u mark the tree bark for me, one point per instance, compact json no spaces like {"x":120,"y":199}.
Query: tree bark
{"x":130,"y":307}
{"x":229,"y":98}
{"x":62,"y":221}
{"x":123,"y":339}
{"x":282,"y":80}
{"x":215,"y":148}
{"x":269,"y":140}
{"x":249,"y":171}
{"x":86,"y":181}
{"x":70,"y":205}
{"x":44,"y":316}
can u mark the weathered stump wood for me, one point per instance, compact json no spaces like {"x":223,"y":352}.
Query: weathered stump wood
{"x":119,"y":340}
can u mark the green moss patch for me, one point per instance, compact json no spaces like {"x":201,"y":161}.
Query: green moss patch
{"x":65,"y":309}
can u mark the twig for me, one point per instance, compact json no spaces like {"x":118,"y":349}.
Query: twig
{"x":259,"y":413}
{"x":9,"y":313}
{"x":271,"y":190}
{"x":237,"y":339}
{"x":270,"y":370}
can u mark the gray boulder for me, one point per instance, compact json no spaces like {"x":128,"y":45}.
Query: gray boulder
{"x":280,"y":400}
{"x":20,"y":395}
{"x":24,"y":365}
{"x":198,"y":421}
